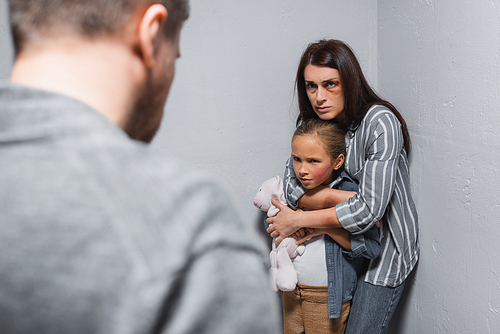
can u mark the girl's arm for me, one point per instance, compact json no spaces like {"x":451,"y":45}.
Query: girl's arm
{"x":365,"y":245}
{"x":340,"y":236}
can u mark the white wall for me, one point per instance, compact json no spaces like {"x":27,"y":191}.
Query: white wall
{"x":439,"y":63}
{"x":231,"y":109}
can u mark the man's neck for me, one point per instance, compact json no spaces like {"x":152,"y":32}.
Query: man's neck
{"x":101,"y":74}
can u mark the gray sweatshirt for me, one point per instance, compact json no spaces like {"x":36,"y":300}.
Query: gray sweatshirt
{"x":99,"y":235}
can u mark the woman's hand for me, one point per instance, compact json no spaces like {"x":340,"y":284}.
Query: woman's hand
{"x":284,"y":223}
{"x":287,"y":221}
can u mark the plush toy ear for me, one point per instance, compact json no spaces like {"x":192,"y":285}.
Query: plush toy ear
{"x":278,"y":190}
{"x":262,"y":199}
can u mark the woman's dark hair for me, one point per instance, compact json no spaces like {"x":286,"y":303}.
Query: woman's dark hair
{"x":358,"y":95}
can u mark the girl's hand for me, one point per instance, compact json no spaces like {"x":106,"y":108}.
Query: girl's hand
{"x":284,"y":223}
{"x":310,"y":232}
{"x":300,"y":233}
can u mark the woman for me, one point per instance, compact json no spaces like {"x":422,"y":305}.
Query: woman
{"x":332,"y":87}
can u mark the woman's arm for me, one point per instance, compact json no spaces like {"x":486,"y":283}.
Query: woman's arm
{"x":323,"y":197}
{"x":287,"y":221}
{"x":379,"y":140}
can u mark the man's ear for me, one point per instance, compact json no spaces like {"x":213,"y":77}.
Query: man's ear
{"x":339,"y":162}
{"x":149,"y":30}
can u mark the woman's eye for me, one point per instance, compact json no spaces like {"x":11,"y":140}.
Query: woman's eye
{"x":310,"y":85}
{"x":331,"y":84}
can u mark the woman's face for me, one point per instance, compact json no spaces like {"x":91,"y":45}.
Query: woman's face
{"x":324,"y":90}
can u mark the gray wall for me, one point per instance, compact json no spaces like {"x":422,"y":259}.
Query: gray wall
{"x":6,"y":51}
{"x":231,"y":111}
{"x":439,"y":63}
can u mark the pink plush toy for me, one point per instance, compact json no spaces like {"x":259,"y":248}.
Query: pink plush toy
{"x":282,"y":273}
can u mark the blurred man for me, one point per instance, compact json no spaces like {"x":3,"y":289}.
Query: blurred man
{"x":98,"y":234}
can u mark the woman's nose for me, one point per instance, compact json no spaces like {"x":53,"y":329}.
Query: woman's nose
{"x":320,"y":95}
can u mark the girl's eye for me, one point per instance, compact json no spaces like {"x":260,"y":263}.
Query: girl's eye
{"x":296,"y":159}
{"x":314,"y":161}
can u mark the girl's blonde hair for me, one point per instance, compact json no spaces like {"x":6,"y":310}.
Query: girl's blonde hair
{"x":329,"y":134}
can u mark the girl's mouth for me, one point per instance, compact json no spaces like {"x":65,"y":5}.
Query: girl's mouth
{"x":305,"y":181}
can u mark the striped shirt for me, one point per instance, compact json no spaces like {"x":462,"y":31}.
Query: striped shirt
{"x":376,"y":158}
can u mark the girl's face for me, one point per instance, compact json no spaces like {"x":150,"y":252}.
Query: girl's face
{"x":324,"y":90}
{"x":311,"y":163}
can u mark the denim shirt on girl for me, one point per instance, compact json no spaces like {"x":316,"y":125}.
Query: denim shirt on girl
{"x":343,"y":267}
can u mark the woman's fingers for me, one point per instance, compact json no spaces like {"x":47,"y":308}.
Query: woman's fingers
{"x":282,"y":224}
{"x":270,"y":220}
{"x":271,"y":228}
{"x":277,"y":203}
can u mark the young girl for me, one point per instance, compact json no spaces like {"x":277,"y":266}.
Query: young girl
{"x":332,"y":87}
{"x":327,"y":271}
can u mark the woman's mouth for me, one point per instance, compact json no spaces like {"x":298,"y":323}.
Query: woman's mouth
{"x":323,"y":109}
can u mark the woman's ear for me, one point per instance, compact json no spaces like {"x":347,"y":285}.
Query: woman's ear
{"x":150,"y":27}
{"x":339,"y":162}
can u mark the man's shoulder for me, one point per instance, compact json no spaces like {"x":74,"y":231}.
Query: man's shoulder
{"x":135,"y":167}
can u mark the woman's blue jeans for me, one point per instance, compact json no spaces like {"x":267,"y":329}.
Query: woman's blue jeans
{"x":372,"y":308}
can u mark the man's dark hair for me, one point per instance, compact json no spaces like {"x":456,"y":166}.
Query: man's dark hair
{"x":33,"y":19}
